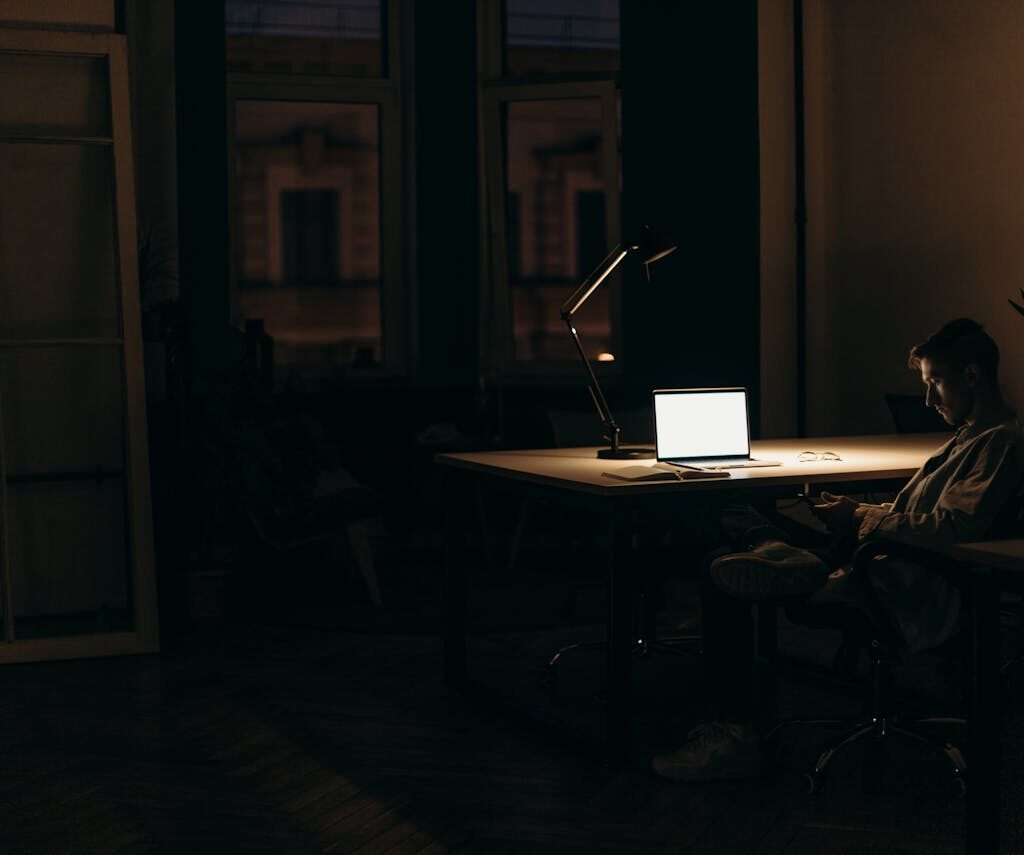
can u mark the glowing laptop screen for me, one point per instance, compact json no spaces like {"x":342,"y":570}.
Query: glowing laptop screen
{"x":701,"y":423}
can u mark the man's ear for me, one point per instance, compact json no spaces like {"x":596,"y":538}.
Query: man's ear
{"x":972,"y":373}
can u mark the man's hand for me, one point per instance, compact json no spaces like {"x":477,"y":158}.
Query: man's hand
{"x":840,"y":514}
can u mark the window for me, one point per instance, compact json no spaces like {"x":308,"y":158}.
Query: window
{"x":551,"y":110}
{"x":317,"y":183}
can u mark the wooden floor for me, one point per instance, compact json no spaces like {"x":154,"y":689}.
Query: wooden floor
{"x":244,"y":737}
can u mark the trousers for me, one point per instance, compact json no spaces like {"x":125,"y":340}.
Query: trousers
{"x":727,"y":622}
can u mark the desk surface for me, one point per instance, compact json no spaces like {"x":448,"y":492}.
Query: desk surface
{"x":863,"y":458}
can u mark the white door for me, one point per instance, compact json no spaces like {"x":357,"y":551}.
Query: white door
{"x":76,"y":562}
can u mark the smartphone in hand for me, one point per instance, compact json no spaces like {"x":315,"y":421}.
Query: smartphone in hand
{"x":811,"y":503}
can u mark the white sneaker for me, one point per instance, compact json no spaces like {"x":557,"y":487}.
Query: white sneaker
{"x":714,"y":751}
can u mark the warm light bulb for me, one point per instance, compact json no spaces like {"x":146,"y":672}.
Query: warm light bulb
{"x":606,"y":357}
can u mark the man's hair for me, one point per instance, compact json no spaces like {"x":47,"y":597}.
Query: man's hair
{"x":957,"y":345}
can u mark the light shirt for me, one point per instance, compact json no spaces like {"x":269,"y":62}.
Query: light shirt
{"x":963,"y":492}
{"x":958,"y":494}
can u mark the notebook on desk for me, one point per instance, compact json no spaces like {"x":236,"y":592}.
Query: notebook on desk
{"x":704,"y":428}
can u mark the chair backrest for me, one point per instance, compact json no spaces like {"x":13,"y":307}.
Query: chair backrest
{"x":578,"y":427}
{"x":910,"y":414}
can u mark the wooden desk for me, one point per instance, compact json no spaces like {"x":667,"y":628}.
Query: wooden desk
{"x":992,"y":566}
{"x":573,"y":476}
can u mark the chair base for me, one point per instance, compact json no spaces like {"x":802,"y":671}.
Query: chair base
{"x":691,"y":644}
{"x":880,"y":727}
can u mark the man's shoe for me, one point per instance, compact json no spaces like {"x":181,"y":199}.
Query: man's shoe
{"x":769,"y":570}
{"x":714,"y":751}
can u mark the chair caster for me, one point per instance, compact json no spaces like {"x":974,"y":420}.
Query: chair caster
{"x":814,"y":782}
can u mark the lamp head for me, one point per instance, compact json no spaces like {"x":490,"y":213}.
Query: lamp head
{"x":651,"y":247}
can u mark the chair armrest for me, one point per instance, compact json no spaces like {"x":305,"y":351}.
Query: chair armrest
{"x":877,"y":549}
{"x":954,"y":570}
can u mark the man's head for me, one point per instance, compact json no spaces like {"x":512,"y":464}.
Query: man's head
{"x":959,"y":366}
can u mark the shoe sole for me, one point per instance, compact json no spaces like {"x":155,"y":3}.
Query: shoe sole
{"x":756,"y":579}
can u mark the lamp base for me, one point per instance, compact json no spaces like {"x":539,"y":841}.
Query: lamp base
{"x":626,"y":453}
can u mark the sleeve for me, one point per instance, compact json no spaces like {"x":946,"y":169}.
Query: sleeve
{"x":966,"y":508}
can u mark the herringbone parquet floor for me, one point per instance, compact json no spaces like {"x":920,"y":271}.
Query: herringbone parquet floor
{"x":249,"y":737}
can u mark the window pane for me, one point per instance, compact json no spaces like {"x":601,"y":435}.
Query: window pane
{"x":45,"y":389}
{"x":316,"y":37}
{"x":308,"y":242}
{"x":48,"y":599}
{"x":556,"y":224}
{"x":54,"y":95}
{"x":561,"y":35}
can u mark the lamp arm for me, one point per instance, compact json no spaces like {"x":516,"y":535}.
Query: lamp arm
{"x":596,"y":395}
{"x":653,"y":248}
{"x":587,"y":287}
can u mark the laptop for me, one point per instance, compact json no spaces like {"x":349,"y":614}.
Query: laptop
{"x":704,"y":428}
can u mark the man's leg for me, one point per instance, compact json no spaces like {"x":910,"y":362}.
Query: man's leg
{"x":767,"y":567}
{"x":729,"y":746}
{"x":772,"y":558}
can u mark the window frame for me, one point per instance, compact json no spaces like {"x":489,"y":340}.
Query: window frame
{"x":395,"y":244}
{"x":497,"y":299}
{"x":496,"y":90}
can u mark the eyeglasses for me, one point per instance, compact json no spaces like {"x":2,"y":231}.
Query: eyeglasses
{"x":810,"y":456}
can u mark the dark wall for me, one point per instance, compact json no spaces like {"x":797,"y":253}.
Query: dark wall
{"x":204,"y":247}
{"x":690,"y":169}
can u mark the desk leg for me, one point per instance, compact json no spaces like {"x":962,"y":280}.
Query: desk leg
{"x":620,"y":641}
{"x":457,"y":510}
{"x":983,"y":809}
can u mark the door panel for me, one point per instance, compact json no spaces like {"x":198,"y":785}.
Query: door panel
{"x":57,"y":262}
{"x":76,"y":563}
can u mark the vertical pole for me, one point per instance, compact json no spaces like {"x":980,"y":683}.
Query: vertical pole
{"x":800,"y":216}
{"x":5,"y":552}
{"x":455,"y":579}
{"x":984,"y":716}
{"x":620,"y":640}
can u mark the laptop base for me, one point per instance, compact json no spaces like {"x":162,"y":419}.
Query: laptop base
{"x":746,"y":463}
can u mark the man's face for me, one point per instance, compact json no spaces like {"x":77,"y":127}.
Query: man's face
{"x":950,"y":391}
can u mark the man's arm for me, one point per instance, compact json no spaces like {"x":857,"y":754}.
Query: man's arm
{"x":964,"y":511}
{"x":843,"y":515}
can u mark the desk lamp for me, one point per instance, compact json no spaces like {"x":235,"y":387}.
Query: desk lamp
{"x":651,"y":248}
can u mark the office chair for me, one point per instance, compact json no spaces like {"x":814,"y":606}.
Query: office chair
{"x":646,"y":641}
{"x":910,"y":414}
{"x":575,"y":428}
{"x":571,"y":428}
{"x":866,"y":629}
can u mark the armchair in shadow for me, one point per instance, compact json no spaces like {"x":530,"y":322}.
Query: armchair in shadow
{"x":335,"y":517}
{"x":275,"y":485}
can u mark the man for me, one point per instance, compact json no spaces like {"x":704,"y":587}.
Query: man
{"x":964,"y":492}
